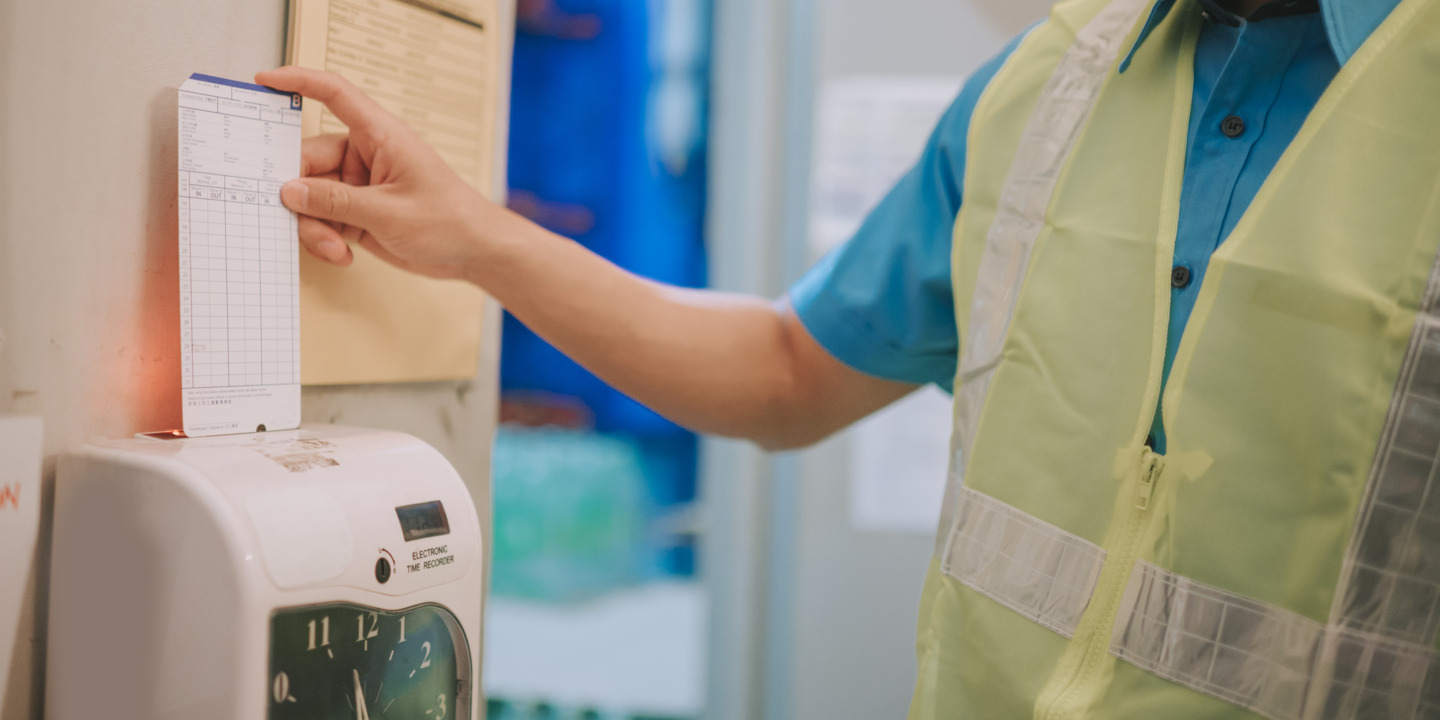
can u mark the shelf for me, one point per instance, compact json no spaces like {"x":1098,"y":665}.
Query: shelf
{"x":640,"y":650}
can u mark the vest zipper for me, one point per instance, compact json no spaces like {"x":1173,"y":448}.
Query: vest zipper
{"x":1149,"y":472}
{"x":1068,"y":704}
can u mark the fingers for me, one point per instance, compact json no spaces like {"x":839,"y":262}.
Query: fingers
{"x":354,"y":169}
{"x":324,"y":242}
{"x":350,"y":105}
{"x":333,"y":156}
{"x":323,"y":154}
{"x":333,"y":200}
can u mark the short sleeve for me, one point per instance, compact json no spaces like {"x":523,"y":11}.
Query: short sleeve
{"x":882,"y":303}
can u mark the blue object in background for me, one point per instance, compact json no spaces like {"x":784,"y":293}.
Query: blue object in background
{"x":569,"y":514}
{"x":607,"y":128}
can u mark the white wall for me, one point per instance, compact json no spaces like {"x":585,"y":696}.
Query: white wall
{"x":810,"y":618}
{"x":850,"y":605}
{"x":88,"y":283}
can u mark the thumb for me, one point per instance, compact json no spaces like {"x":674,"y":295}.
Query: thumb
{"x":331,"y":200}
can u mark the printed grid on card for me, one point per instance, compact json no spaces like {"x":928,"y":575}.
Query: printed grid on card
{"x":239,"y":263}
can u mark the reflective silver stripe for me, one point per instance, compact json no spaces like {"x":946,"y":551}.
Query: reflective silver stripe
{"x":1390,"y":584}
{"x":1022,"y":562}
{"x":1360,"y":676}
{"x":1239,"y":650}
{"x":1265,"y":658}
{"x":953,"y":485}
{"x":1049,"y":136}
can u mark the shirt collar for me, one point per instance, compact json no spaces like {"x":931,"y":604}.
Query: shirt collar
{"x":1348,"y":23}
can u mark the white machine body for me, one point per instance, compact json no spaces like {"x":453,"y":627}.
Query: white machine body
{"x":177,"y":564}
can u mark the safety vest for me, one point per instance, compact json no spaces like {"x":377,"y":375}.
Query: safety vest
{"x":1282,"y":559}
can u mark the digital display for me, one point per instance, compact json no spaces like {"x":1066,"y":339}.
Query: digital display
{"x":423,"y":520}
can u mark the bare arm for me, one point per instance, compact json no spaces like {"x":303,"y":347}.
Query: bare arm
{"x":718,"y":363}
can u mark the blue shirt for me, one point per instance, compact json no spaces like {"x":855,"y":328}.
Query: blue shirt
{"x":883,"y":302}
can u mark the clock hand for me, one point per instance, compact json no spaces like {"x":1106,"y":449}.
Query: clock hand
{"x":361,"y":712}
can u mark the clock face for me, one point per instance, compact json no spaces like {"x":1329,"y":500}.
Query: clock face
{"x":350,"y":662}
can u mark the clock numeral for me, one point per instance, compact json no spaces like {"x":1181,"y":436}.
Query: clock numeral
{"x":360,"y":634}
{"x":425,"y":663}
{"x":280,"y":689}
{"x":324,"y":633}
{"x":441,"y":716}
{"x":402,"y":629}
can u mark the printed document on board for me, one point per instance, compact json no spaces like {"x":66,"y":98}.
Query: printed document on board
{"x":436,"y":65}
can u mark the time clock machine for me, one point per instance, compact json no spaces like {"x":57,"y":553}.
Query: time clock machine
{"x":325,"y":573}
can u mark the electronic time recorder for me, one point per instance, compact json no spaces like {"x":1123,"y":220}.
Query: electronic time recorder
{"x":324,"y":573}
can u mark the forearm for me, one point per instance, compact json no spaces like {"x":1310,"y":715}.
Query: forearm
{"x":717,"y":363}
{"x":714,"y":362}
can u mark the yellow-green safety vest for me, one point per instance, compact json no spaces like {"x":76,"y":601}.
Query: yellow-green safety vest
{"x":1282,"y":560}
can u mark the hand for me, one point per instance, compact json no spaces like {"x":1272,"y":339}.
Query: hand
{"x":717,"y":363}
{"x":380,"y":186}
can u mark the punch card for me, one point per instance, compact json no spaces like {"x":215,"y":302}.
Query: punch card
{"x":239,"y":258}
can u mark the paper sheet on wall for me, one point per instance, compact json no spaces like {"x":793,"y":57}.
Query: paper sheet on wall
{"x":898,"y":461}
{"x":21,"y":448}
{"x":871,"y":131}
{"x":433,"y":64}
{"x":239,"y":316}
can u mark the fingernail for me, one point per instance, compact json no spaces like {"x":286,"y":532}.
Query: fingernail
{"x":295,"y":193}
{"x":333,"y":249}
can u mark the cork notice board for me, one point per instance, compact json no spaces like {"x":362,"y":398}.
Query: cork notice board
{"x":435,"y":65}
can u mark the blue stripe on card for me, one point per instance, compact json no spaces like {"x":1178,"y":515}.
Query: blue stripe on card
{"x":294,"y":97}
{"x":236,"y":83}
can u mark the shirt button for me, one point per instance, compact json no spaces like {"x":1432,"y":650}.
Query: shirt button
{"x":1232,"y":126}
{"x":1180,"y":277}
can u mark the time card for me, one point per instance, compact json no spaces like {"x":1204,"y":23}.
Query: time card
{"x":239,"y":258}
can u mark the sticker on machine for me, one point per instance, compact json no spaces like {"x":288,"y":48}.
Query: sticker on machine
{"x":297,"y":454}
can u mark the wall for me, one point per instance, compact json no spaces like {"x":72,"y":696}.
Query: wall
{"x":88,"y":287}
{"x":809,"y":617}
{"x":849,"y":599}
{"x":745,"y":207}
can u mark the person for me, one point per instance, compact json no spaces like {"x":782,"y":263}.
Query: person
{"x":1178,"y":258}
